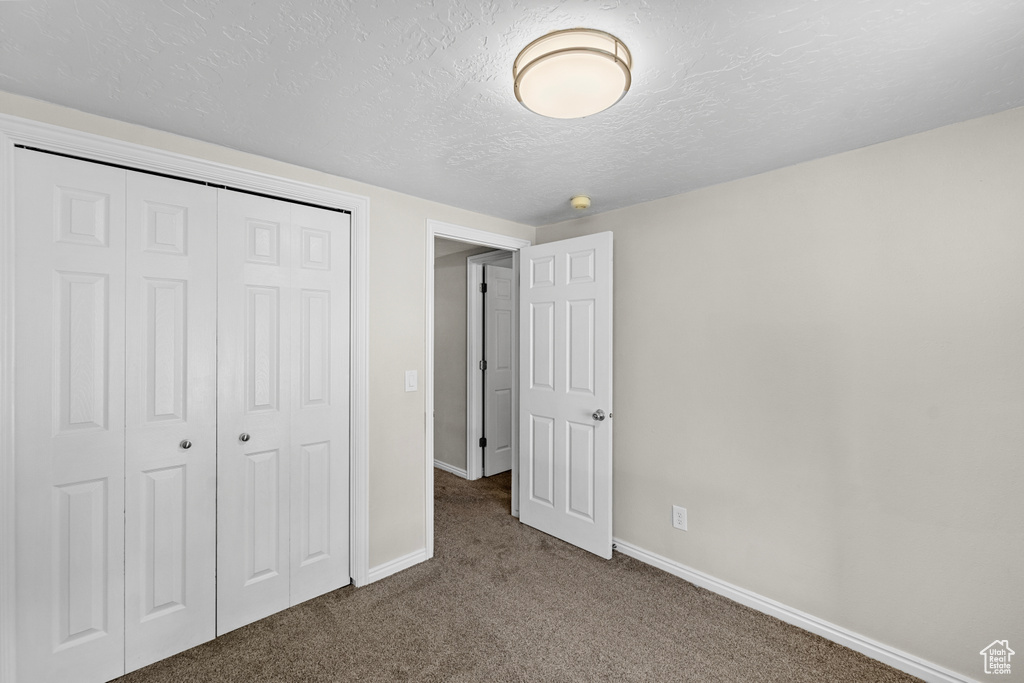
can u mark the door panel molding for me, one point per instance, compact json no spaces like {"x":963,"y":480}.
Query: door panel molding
{"x":18,"y":131}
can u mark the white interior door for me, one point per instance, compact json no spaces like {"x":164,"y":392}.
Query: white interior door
{"x":499,"y":377}
{"x":565,"y":380}
{"x":171,"y":430}
{"x":283,"y":407}
{"x":69,"y":440}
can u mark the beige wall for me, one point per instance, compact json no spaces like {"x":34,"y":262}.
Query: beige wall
{"x":825,"y":365}
{"x":450,"y":356}
{"x":397,"y":271}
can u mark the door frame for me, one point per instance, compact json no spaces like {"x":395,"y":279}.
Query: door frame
{"x":475,"y":353}
{"x":17,"y":131}
{"x":470,"y":236}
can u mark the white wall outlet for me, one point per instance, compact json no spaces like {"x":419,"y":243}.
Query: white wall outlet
{"x":679,"y":517}
{"x":411,"y":381}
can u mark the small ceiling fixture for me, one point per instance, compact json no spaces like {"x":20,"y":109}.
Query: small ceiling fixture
{"x":572,"y":73}
{"x":580,"y":201}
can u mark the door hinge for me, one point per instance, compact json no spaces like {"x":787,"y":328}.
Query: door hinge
{"x":483,"y":442}
{"x":483,"y":365}
{"x":483,"y":287}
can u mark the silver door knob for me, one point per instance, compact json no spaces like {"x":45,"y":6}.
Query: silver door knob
{"x":599,"y":415}
{"x":243,"y":437}
{"x":185,"y":444}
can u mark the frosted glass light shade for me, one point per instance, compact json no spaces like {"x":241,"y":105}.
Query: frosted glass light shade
{"x":573,"y":73}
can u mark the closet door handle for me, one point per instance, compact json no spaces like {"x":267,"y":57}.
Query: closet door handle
{"x":243,"y":437}
{"x":185,"y":444}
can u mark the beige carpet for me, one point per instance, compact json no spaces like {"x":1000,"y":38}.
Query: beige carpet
{"x":503,"y":602}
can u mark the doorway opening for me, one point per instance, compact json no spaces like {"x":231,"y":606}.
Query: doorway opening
{"x":475,"y":359}
{"x":565,"y":392}
{"x":464,"y":435}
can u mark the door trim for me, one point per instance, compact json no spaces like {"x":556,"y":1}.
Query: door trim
{"x":470,"y":236}
{"x":474,"y":353}
{"x":18,"y":131}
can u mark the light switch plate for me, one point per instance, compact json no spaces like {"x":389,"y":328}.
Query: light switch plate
{"x":411,"y":380}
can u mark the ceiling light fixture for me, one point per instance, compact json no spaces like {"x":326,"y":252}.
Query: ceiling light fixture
{"x":572,"y":73}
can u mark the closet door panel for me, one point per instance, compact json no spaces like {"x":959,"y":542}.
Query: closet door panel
{"x":69,"y":438}
{"x":255,"y":377}
{"x":170,"y":490}
{"x":320,"y":386}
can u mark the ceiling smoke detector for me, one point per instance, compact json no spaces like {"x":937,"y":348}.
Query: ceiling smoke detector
{"x":580,"y":201}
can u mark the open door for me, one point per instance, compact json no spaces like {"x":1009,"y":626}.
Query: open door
{"x":499,"y":372}
{"x":565,"y":366}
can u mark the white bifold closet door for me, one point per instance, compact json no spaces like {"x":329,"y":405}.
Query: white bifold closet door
{"x":171,"y":418}
{"x":69,"y":438}
{"x":144,"y":525}
{"x":115,"y":543}
{"x":283,"y":406}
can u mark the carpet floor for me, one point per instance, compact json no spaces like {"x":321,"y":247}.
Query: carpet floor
{"x":503,"y":602}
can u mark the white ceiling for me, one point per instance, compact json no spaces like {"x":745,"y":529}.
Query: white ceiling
{"x":417,"y":95}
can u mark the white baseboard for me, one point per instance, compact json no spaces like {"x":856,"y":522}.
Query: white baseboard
{"x":451,"y":468}
{"x":933,"y":673}
{"x":382,"y":571}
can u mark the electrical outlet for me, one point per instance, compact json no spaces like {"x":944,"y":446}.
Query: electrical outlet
{"x":679,"y":517}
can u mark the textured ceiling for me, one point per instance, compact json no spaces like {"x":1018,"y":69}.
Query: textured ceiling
{"x":417,"y":96}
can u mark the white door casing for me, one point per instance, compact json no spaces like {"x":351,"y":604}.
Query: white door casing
{"x":565,"y":378}
{"x":282,"y":487}
{"x":171,"y":394}
{"x":70,"y":233}
{"x":499,"y":376}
